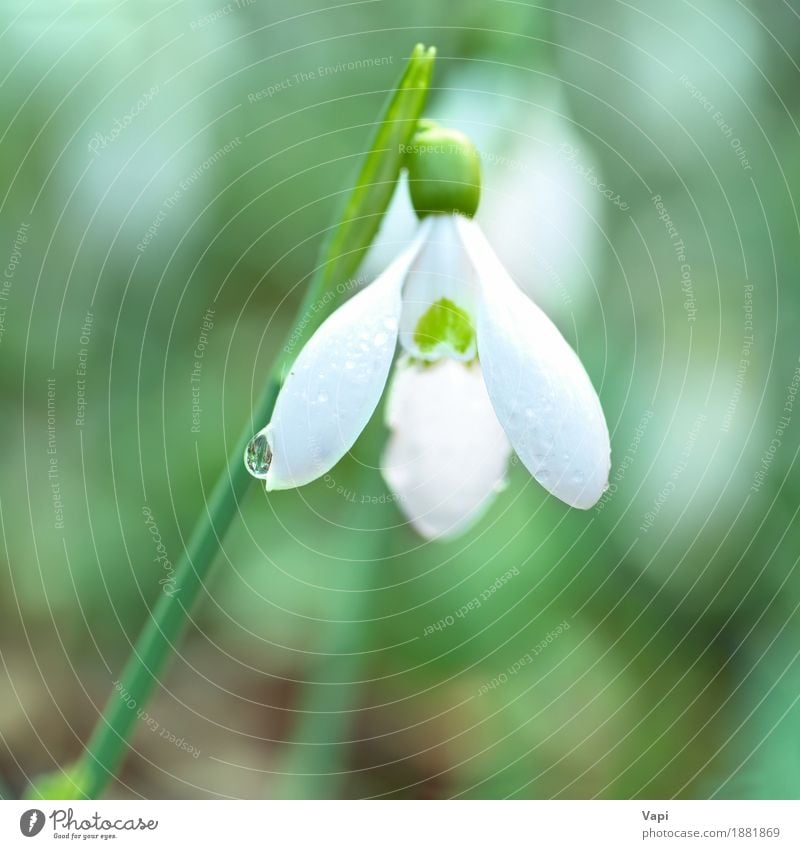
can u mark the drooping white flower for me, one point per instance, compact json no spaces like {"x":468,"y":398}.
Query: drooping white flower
{"x":484,"y":371}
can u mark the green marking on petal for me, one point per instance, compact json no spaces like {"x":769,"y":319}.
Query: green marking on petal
{"x":444,"y":323}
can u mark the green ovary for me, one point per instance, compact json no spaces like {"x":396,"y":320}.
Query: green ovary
{"x":444,"y":323}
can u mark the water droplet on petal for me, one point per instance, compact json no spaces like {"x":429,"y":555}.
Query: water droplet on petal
{"x":349,"y":364}
{"x":379,"y":339}
{"x":577,"y":478}
{"x":322,"y":397}
{"x":258,"y":457}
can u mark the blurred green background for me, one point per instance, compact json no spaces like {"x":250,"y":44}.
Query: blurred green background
{"x":641,"y":166}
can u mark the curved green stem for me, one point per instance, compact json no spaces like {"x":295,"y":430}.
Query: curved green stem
{"x":341,"y":257}
{"x":108,"y":743}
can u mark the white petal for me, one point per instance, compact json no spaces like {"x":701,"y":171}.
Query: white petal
{"x":447,"y":454}
{"x":540,"y":391}
{"x":441,"y":271}
{"x":337,"y":381}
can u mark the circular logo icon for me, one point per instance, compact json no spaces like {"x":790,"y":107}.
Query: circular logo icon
{"x":31,"y":822}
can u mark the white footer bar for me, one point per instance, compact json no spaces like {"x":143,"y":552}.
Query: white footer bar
{"x":403,"y":824}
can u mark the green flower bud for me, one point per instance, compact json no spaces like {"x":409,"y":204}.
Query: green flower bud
{"x":444,"y":173}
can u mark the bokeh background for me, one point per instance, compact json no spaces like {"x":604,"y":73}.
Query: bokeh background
{"x":168,"y":174}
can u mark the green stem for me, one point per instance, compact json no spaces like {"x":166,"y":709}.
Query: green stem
{"x":314,"y":765}
{"x":108,"y":743}
{"x":342,"y":255}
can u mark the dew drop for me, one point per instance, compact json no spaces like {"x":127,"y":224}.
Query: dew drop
{"x":379,"y":339}
{"x":349,"y":364}
{"x":258,"y":457}
{"x":322,"y":398}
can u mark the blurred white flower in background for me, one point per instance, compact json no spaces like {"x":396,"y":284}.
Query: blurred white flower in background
{"x":539,"y":207}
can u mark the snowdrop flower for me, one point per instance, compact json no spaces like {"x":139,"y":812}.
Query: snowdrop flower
{"x":482,"y":371}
